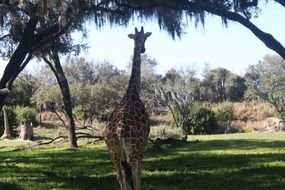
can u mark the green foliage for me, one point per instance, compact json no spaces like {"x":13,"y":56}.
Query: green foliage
{"x":224,"y":111}
{"x":49,"y":98}
{"x":12,"y":119}
{"x":23,"y":88}
{"x":79,"y":70}
{"x":222,"y":85}
{"x":267,"y":79}
{"x":201,"y":120}
{"x":26,"y":114}
{"x":236,"y":88}
{"x":251,"y":94}
{"x":93,"y":101}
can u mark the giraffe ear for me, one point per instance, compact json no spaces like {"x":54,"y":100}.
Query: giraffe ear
{"x":147,"y":34}
{"x":132,"y":36}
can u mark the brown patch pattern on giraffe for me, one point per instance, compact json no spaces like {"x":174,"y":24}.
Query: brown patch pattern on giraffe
{"x":128,"y":129}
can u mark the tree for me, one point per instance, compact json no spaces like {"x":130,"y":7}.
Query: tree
{"x":79,"y":70}
{"x":240,"y":11}
{"x":48,"y":99}
{"x":8,"y":121}
{"x":7,"y":130}
{"x":221,"y":85}
{"x":94,"y":101}
{"x":56,"y":67}
{"x":24,"y":87}
{"x":236,"y":89}
{"x":27,"y":117}
{"x":28,"y":25}
{"x":268,"y":80}
{"x":178,"y":93}
{"x":201,"y":120}
{"x":90,"y":101}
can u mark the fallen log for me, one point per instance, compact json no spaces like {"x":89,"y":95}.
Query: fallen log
{"x":78,"y":136}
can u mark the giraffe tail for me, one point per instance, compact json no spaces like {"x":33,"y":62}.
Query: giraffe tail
{"x":128,"y":174}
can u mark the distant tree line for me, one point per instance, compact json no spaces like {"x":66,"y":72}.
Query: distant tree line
{"x":97,"y":87}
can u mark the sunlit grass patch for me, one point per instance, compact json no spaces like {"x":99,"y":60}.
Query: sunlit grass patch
{"x":10,"y":145}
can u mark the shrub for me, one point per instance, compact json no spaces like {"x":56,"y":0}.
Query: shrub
{"x":201,"y":120}
{"x":264,"y":111}
{"x":224,"y":111}
{"x":164,"y":131}
{"x":12,"y":117}
{"x":26,"y":114}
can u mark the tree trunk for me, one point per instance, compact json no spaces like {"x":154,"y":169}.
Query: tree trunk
{"x":64,"y":87}
{"x":7,"y":132}
{"x":30,"y":41}
{"x":18,"y":60}
{"x":40,"y":117}
{"x":26,"y":131}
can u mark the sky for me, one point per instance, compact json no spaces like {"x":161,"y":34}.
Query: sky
{"x":233,"y":48}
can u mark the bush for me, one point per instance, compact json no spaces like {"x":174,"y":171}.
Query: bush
{"x":264,"y":111}
{"x":26,"y":114}
{"x":12,"y":117}
{"x":201,"y":120}
{"x":164,"y":131}
{"x":224,"y":111}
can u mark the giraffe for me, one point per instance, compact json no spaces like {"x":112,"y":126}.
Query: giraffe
{"x":128,"y":129}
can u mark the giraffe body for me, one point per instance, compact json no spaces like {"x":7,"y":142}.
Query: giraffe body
{"x":128,"y":129}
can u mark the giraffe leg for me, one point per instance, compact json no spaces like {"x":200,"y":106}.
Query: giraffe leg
{"x":136,"y":174}
{"x":120,"y":176}
{"x":116,"y":158}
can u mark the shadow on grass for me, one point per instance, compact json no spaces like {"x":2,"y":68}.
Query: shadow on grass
{"x":239,"y":180}
{"x":241,"y":144}
{"x":217,"y":164}
{"x":4,"y":186}
{"x":203,"y":165}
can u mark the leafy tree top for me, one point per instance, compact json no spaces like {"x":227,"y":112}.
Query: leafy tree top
{"x":56,"y":17}
{"x":14,"y":14}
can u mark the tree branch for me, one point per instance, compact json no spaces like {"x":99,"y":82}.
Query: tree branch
{"x":46,"y":36}
{"x":173,"y":115}
{"x":281,"y":2}
{"x":80,"y":135}
{"x":5,"y":36}
{"x":194,"y":6}
{"x":266,"y":38}
{"x":24,"y":64}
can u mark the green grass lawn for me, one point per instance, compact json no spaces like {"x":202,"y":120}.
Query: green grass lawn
{"x":230,"y":162}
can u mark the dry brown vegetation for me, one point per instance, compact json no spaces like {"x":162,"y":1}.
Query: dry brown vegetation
{"x":249,"y":117}
{"x":253,"y":111}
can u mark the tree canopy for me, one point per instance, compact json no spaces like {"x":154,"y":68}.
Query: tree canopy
{"x":30,"y":28}
{"x":267,"y":80}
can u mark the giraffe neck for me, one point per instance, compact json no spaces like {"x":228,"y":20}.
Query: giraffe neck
{"x":135,"y":80}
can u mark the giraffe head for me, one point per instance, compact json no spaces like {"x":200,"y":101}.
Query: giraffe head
{"x":140,"y":38}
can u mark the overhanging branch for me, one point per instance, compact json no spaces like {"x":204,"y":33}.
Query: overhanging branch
{"x":194,"y":6}
{"x":266,"y":38}
{"x":5,"y":36}
{"x":281,"y":2}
